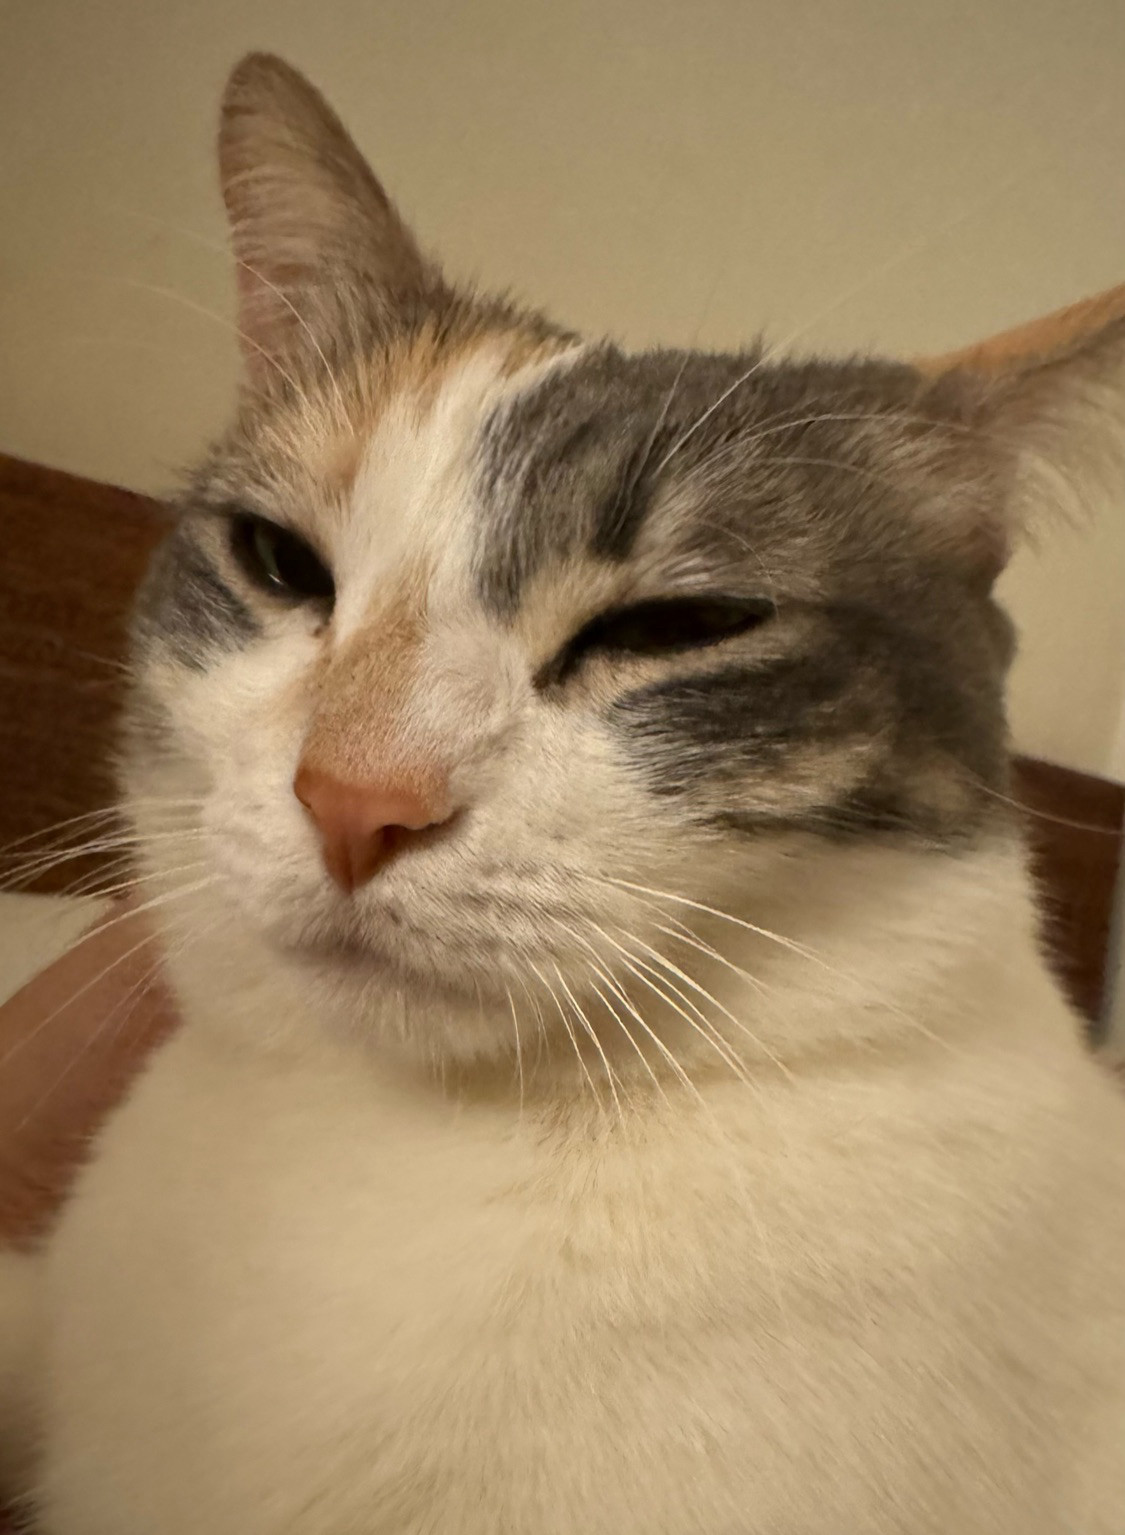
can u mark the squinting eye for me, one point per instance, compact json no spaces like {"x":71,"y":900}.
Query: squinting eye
{"x":278,"y":561}
{"x":661,"y":627}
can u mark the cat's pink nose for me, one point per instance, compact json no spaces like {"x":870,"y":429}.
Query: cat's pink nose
{"x":361,"y":824}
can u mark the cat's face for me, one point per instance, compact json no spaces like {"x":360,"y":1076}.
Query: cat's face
{"x":612,"y":625}
{"x":603,"y":646}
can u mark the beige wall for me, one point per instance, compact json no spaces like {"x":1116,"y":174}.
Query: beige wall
{"x":857,"y":172}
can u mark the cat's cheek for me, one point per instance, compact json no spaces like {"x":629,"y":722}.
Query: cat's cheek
{"x":248,"y":703}
{"x":577,"y":803}
{"x":238,"y":727}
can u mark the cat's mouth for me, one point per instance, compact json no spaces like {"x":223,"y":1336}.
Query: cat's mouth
{"x":466,"y":938}
{"x":390,"y":949}
{"x":348,"y":954}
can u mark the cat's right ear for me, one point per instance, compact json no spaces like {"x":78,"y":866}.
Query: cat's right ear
{"x":1050,"y":399}
{"x":321,"y":250}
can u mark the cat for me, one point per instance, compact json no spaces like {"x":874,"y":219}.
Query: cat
{"x":619,"y":1089}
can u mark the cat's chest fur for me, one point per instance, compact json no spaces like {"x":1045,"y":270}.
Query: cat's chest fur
{"x":307,"y":1299}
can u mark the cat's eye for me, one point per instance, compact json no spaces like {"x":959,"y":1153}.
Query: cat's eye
{"x":661,"y":626}
{"x":279,"y":561}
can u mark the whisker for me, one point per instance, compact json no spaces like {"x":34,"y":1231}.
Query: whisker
{"x":737,"y":1022}
{"x":696,"y":1018}
{"x":139,"y":880}
{"x":1041,"y":815}
{"x":570,"y":1032}
{"x":632,"y":962}
{"x":837,"y":465}
{"x":37,"y":863}
{"x":873,"y":274}
{"x":519,"y":1047}
{"x":90,"y":886}
{"x":149,"y":938}
{"x":222,"y":248}
{"x":617,"y":1018}
{"x":228,"y":325}
{"x":108,"y":812}
{"x":682,"y":934}
{"x":117,"y":1020}
{"x":33,"y":867}
{"x":676,"y":1065}
{"x":588,"y":1026}
{"x":685,"y":935}
{"x":541,"y":1027}
{"x":136,"y":993}
{"x":794,"y":947}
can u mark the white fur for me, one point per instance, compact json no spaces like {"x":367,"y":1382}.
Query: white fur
{"x":301,"y":1289}
{"x":20,"y":1365}
{"x":371,"y":1252}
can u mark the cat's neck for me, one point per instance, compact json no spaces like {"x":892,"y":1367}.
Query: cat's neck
{"x":868,"y":949}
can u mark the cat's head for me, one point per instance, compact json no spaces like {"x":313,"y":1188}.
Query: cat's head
{"x":485,"y":650}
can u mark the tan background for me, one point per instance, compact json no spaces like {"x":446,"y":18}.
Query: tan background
{"x":906,"y":175}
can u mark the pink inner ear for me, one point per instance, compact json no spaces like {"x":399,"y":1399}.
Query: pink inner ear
{"x":267,"y":327}
{"x":1053,"y":399}
{"x":1049,"y":334}
{"x":316,"y":232}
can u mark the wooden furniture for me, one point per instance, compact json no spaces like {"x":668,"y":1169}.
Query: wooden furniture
{"x":71,"y":554}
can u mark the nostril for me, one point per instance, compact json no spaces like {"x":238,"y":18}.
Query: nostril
{"x":394,"y":838}
{"x":304,"y":786}
{"x":398,"y":838}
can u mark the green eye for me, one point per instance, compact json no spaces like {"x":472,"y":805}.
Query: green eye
{"x":278,"y":561}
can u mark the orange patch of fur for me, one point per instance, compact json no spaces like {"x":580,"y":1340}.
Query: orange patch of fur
{"x":356,"y":733}
{"x":322,"y":450}
{"x":418,"y":368}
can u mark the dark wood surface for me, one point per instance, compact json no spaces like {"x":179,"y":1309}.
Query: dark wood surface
{"x":71,"y":554}
{"x":1074,"y":826}
{"x":73,"y":551}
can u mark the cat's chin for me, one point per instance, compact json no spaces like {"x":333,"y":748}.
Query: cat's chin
{"x":356,"y":966}
{"x":355,"y":952}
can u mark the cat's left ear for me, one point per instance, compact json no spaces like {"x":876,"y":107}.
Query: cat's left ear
{"x":1049,"y":397}
{"x":322,"y":251}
